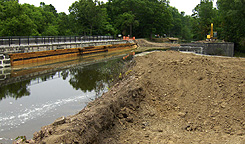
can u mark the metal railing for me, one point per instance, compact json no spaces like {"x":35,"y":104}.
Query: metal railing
{"x":31,"y":40}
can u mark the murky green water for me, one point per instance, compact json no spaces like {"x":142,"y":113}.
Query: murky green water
{"x":28,"y":105}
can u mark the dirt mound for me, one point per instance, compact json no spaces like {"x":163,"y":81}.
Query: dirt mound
{"x":163,"y":97}
{"x":145,"y":43}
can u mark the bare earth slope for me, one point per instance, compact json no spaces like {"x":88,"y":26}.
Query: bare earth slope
{"x":145,"y":43}
{"x":163,"y":97}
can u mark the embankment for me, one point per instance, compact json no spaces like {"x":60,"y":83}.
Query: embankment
{"x":145,"y":43}
{"x":163,"y":97}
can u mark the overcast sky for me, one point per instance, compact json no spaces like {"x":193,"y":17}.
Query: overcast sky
{"x":63,"y":5}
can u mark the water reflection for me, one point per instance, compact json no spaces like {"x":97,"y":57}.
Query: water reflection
{"x":95,"y":77}
{"x":16,"y":90}
{"x":88,"y":78}
{"x":26,"y":106}
{"x":20,"y":89}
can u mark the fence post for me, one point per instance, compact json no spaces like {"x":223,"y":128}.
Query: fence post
{"x":19,"y":40}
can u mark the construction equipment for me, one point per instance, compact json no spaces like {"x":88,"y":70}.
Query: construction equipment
{"x":213,"y":35}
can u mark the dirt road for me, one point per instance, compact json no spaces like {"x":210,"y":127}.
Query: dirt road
{"x":163,"y":97}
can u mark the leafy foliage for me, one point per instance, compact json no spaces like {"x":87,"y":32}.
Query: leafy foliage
{"x":232,"y":15}
{"x":140,"y":18}
{"x":203,"y":14}
{"x":88,"y":14}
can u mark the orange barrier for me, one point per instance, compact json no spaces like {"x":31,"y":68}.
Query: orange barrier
{"x":128,"y":38}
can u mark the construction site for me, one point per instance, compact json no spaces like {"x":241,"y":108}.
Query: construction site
{"x":162,"y":97}
{"x":122,"y":72}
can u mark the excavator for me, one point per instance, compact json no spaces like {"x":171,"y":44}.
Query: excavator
{"x":213,"y":35}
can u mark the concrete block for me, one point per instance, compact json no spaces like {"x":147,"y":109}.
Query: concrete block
{"x":4,"y":61}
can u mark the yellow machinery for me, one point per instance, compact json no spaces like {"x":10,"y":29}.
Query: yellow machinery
{"x":213,"y":35}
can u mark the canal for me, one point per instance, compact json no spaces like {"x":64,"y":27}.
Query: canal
{"x":27,"y":105}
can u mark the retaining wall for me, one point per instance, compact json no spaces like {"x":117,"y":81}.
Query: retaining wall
{"x":198,"y":50}
{"x":54,"y":46}
{"x":222,"y":49}
{"x":4,"y":61}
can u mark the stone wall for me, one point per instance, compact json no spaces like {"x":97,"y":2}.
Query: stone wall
{"x":4,"y":61}
{"x":54,"y":46}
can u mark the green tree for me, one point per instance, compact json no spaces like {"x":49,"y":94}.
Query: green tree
{"x":14,"y":21}
{"x":151,"y":16}
{"x":51,"y":30}
{"x":49,"y":8}
{"x":232,"y":21}
{"x":126,"y":20}
{"x":27,"y":20}
{"x":176,"y":23}
{"x":204,"y":14}
{"x":186,"y":30}
{"x":89,"y":15}
{"x":49,"y":20}
{"x":43,"y":20}
{"x":64,"y":24}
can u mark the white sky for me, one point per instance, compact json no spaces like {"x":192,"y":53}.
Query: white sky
{"x":187,"y":5}
{"x":63,"y":5}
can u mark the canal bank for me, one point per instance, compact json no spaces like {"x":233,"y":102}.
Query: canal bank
{"x":36,"y":94}
{"x":24,"y":50}
{"x":163,"y":97}
{"x":33,"y":57}
{"x":39,"y":64}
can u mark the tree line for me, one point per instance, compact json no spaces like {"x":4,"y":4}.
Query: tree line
{"x":140,"y":18}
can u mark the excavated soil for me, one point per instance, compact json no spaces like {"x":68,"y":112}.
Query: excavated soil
{"x":163,"y":97}
{"x":148,"y":44}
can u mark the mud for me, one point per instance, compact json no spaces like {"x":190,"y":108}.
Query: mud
{"x":163,"y":97}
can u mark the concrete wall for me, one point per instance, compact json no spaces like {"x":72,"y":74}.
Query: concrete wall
{"x":198,"y":50}
{"x":4,"y":61}
{"x":46,"y":47}
{"x":4,"y":74}
{"x":4,"y":51}
{"x":222,"y":49}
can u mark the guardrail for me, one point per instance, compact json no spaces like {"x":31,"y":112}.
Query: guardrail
{"x":30,"y":40}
